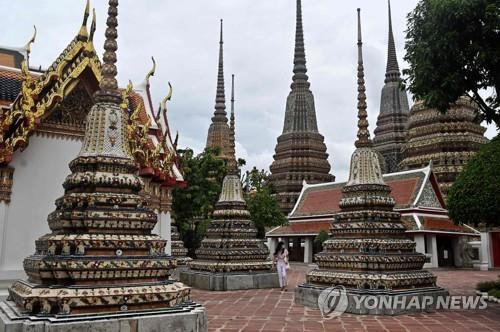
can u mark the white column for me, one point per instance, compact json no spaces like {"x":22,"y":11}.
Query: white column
{"x":484,"y":252}
{"x":163,"y":229}
{"x":434,"y":252}
{"x":3,"y":221}
{"x":420,"y":241}
{"x":308,"y":250}
{"x":272,"y":243}
{"x":286,"y":241}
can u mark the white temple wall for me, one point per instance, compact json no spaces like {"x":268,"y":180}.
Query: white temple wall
{"x":163,"y":228}
{"x":38,"y":177}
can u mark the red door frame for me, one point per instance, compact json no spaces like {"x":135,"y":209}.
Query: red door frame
{"x":495,"y":248}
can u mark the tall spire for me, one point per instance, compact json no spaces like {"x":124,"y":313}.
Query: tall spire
{"x":299,"y":60}
{"x":231,"y":164}
{"x":392,"y":70}
{"x":363,"y":132}
{"x":109,"y":86}
{"x":220,"y":98}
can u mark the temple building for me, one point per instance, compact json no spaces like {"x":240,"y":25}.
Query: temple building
{"x":300,"y":153}
{"x":218,"y":132}
{"x":448,"y":139}
{"x":391,"y":130}
{"x":231,"y":257}
{"x":43,"y":118}
{"x":368,"y":252}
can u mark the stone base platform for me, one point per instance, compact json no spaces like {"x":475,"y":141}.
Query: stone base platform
{"x":373,"y":302}
{"x":230,"y":280}
{"x":188,"y":317}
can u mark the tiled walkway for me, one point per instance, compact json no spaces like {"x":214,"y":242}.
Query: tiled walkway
{"x":272,"y":310}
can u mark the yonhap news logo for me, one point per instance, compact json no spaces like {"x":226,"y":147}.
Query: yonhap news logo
{"x":334,"y":301}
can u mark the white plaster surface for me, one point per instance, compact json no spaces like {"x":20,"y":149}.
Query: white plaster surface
{"x":38,"y":177}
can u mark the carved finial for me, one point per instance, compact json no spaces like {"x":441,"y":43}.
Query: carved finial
{"x":93,"y":25}
{"x":163,"y":108}
{"x":27,"y":47}
{"x":83,"y":34}
{"x":176,"y":141}
{"x":392,"y":73}
{"x":109,"y":85}
{"x":363,"y":133}
{"x":151,"y":72}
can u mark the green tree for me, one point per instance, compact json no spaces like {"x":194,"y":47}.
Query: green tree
{"x":264,"y":209}
{"x":474,"y":197}
{"x":193,"y":206}
{"x":453,"y":48}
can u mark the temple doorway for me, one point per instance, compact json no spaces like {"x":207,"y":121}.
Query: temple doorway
{"x":445,"y":251}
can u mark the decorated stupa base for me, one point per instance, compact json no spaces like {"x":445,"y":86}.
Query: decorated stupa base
{"x":187,"y":316}
{"x":177,"y":245}
{"x":231,"y":257}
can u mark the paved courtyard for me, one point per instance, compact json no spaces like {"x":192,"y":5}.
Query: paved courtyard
{"x":272,"y":310}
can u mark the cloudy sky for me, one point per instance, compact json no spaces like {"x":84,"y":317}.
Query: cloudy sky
{"x":259,"y":40}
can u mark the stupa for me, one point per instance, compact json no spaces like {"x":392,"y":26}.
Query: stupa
{"x":300,"y":153}
{"x":230,"y":256}
{"x":101,"y":268}
{"x":449,"y":139}
{"x":368,"y":252}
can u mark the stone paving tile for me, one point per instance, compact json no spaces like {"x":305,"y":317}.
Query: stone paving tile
{"x":269,"y":310}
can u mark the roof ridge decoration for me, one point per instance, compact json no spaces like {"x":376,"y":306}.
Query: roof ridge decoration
{"x":44,"y":92}
{"x":83,"y":34}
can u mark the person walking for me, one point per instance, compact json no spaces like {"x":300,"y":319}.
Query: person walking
{"x":281,"y":261}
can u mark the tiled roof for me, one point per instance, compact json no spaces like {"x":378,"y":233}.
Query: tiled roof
{"x":301,"y":228}
{"x":10,"y":85}
{"x":317,"y":200}
{"x":443,"y":225}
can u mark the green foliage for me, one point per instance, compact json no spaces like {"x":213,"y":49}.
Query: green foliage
{"x":193,"y":206}
{"x":264,"y":209}
{"x":474,"y":197}
{"x":321,"y":237}
{"x":453,"y":48}
{"x":488,"y":285}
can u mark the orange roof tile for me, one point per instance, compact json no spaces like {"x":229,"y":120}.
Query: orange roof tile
{"x":443,"y":224}
{"x":301,"y":228}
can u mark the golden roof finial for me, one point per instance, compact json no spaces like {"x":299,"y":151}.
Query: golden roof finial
{"x":83,"y":34}
{"x":30,"y":42}
{"x":93,"y":25}
{"x":163,"y":109}
{"x":151,"y":72}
